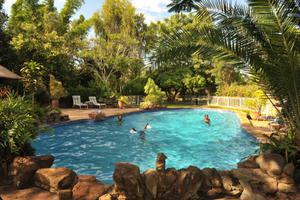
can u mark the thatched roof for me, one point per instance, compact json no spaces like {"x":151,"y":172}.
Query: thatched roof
{"x":5,"y":73}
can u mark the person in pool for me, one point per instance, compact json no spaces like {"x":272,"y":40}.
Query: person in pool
{"x":206,"y":119}
{"x":147,"y":126}
{"x":120,"y":119}
{"x":132,"y":130}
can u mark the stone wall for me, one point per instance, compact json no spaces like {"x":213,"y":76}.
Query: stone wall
{"x":266,"y":176}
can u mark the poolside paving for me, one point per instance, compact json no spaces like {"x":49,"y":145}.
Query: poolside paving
{"x":81,"y":114}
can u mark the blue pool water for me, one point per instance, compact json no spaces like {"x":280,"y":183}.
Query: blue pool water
{"x":94,"y":147}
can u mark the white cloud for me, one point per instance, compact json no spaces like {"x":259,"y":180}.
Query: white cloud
{"x":152,"y":9}
{"x":7,"y":5}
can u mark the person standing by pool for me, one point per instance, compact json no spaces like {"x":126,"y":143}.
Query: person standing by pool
{"x":206,"y":119}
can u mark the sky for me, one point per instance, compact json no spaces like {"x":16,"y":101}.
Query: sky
{"x":153,"y":9}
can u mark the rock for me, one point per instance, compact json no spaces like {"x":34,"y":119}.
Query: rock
{"x":106,"y":197}
{"x":250,"y":162}
{"x":97,"y":116}
{"x":88,"y":188}
{"x":128,"y":180}
{"x":214,"y":192}
{"x":286,"y":188}
{"x":64,"y":194}
{"x":55,"y":179}
{"x":167,"y":184}
{"x":289,"y":169}
{"x":249,"y":194}
{"x":271,"y":163}
{"x":230,"y":184}
{"x":189,"y":182}
{"x":86,"y":178}
{"x":161,"y":162}
{"x":286,"y":179}
{"x":212,"y":178}
{"x":23,"y":168}
{"x":258,"y":179}
{"x":151,"y":182}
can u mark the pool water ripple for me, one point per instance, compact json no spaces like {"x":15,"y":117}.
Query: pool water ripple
{"x":94,"y":147}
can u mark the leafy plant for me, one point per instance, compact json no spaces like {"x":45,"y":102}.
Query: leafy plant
{"x":154,"y":93}
{"x":33,"y":73}
{"x":18,"y":125}
{"x":282,"y":145}
{"x":258,"y":102}
{"x":56,"y":88}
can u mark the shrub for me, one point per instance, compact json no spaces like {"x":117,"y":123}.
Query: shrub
{"x":258,"y":101}
{"x":154,"y":96}
{"x":235,"y":90}
{"x":154,"y":93}
{"x":56,"y":88}
{"x":18,"y":126}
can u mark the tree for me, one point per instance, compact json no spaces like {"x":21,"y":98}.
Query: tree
{"x":115,"y":55}
{"x":265,"y":38}
{"x":33,"y":73}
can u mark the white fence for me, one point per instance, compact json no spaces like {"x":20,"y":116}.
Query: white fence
{"x":230,"y":102}
{"x":240,"y":103}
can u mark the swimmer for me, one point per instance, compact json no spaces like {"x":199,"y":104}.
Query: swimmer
{"x":120,"y":119}
{"x":206,"y":119}
{"x":142,"y":134}
{"x":132,"y":130}
{"x":147,"y":126}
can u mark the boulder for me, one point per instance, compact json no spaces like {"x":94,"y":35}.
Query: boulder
{"x":55,"y":179}
{"x":286,"y":188}
{"x":214,"y":192}
{"x":272,"y":163}
{"x":88,"y":188}
{"x":257,"y":178}
{"x":289,"y":169}
{"x":22,"y":169}
{"x":212,"y":178}
{"x":167,"y":184}
{"x":250,"y":162}
{"x":230,"y":184}
{"x":249,"y":194}
{"x":161,"y":162}
{"x":128,"y":180}
{"x":151,"y":182}
{"x":189,"y":182}
{"x":106,"y":197}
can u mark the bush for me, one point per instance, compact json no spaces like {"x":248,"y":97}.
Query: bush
{"x":235,"y":90}
{"x":18,"y":126}
{"x":154,"y":95}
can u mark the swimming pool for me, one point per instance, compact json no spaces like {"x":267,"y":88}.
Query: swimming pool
{"x":94,"y":147}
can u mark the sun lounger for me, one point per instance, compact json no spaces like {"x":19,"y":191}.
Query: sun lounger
{"x":94,"y":102}
{"x":77,"y":102}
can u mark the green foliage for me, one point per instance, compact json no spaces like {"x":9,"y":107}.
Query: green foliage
{"x":153,"y":92}
{"x":258,"y":102}
{"x":283,"y":145}
{"x":56,"y":88}
{"x":236,"y":90}
{"x":85,"y":92}
{"x":194,"y":83}
{"x":33,"y":73}
{"x":135,"y":86}
{"x":18,"y":125}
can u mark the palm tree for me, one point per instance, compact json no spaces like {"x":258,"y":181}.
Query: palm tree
{"x":265,"y":37}
{"x":183,"y":5}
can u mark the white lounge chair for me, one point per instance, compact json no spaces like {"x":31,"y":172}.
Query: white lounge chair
{"x":77,"y":102}
{"x":93,"y":100}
